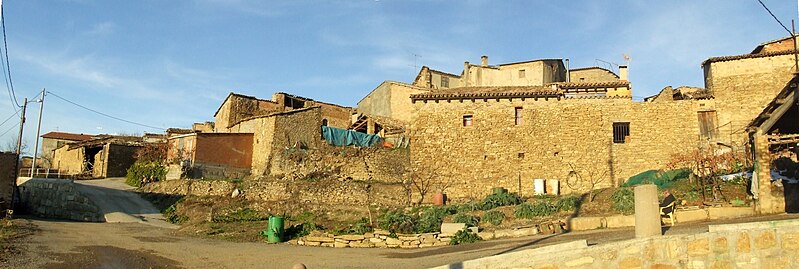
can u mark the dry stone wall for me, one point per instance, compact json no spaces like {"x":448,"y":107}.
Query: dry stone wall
{"x":567,"y":140}
{"x":8,"y":177}
{"x":191,"y":187}
{"x":57,"y":198}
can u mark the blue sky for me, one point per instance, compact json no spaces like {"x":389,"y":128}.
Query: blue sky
{"x":171,"y":63}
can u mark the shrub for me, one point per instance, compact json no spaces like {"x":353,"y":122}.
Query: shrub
{"x":471,"y":221}
{"x":494,"y":217}
{"x":301,"y":229}
{"x":142,"y":171}
{"x":396,"y":221}
{"x":464,"y":237}
{"x":359,"y":227}
{"x":536,"y":209}
{"x":468,"y":207}
{"x":431,"y":218}
{"x":567,"y":203}
{"x":623,"y":201}
{"x":171,"y":215}
{"x":500,"y":199}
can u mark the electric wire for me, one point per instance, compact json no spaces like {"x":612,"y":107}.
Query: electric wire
{"x":6,"y":120}
{"x":775,"y":17}
{"x":104,"y":114}
{"x":9,"y":129}
{"x":9,"y":81}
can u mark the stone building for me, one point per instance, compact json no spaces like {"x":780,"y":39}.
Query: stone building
{"x":8,"y":179}
{"x":100,"y":157}
{"x":237,"y":107}
{"x":53,"y":140}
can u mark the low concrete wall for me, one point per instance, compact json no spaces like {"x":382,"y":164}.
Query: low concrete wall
{"x":57,"y":198}
{"x":760,"y":245}
{"x":680,"y":215}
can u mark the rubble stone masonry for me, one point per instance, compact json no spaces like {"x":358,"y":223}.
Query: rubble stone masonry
{"x":555,"y":137}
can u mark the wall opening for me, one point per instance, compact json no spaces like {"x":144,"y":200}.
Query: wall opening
{"x":621,"y":132}
{"x":467,"y":120}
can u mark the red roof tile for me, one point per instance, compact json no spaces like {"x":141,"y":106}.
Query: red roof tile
{"x":67,"y":136}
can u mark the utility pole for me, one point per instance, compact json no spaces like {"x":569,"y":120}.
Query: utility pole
{"x":38,"y":129}
{"x":21,"y":127}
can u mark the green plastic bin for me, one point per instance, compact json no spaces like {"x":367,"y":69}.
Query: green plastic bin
{"x":274,"y":233}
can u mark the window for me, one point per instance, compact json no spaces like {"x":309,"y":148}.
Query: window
{"x":444,"y":82}
{"x":518,"y":112}
{"x":467,"y":120}
{"x":521,"y":73}
{"x":707,"y":124}
{"x":621,"y":131}
{"x":520,"y":155}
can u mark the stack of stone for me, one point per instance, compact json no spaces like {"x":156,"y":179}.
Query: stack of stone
{"x":378,"y":238}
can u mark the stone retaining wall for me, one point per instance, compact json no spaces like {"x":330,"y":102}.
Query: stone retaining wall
{"x":680,"y":215}
{"x":759,"y":245}
{"x":57,"y":198}
{"x":193,"y":187}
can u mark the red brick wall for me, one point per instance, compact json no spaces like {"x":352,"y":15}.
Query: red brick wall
{"x":227,"y":149}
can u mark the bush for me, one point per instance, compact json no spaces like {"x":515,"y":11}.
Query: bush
{"x":500,"y":199}
{"x":464,"y":237}
{"x":142,"y":171}
{"x":536,"y":209}
{"x":396,"y":221}
{"x":431,"y":218}
{"x":359,"y":227}
{"x":171,"y":215}
{"x":471,"y":221}
{"x":468,"y":207}
{"x":494,"y":217}
{"x":623,"y":201}
{"x":567,"y":203}
{"x":301,"y":229}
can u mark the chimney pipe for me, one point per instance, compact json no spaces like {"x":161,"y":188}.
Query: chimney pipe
{"x":465,"y":76}
{"x":484,"y":61}
{"x":568,"y":72}
{"x":623,"y":73}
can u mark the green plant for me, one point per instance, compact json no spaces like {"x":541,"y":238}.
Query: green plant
{"x":500,"y":199}
{"x":623,"y":201}
{"x":396,"y":221}
{"x":494,"y":217}
{"x":464,"y":237}
{"x":567,"y":203}
{"x":359,"y":227}
{"x":471,"y":221}
{"x":430,"y":220}
{"x":301,"y":229}
{"x":241,"y":215}
{"x":145,"y":171}
{"x":467,"y":207}
{"x":171,"y":215}
{"x":535,"y":209}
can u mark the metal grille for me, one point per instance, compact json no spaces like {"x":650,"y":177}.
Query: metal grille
{"x":621,"y":130}
{"x":518,"y":113}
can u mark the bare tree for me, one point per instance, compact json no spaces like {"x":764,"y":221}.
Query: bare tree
{"x":706,"y":164}
{"x":589,"y":175}
{"x":422,"y":182}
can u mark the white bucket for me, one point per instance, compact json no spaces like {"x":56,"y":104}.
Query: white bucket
{"x":538,"y":186}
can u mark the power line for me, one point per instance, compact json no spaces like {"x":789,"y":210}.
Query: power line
{"x":5,"y":52}
{"x":9,"y":129}
{"x":772,"y":15}
{"x":101,"y":113}
{"x":9,"y":117}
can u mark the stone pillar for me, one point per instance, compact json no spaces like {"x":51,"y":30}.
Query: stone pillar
{"x":765,"y":201}
{"x":647,"y":211}
{"x":370,"y":126}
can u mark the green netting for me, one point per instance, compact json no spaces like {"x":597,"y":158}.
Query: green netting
{"x":661,"y":179}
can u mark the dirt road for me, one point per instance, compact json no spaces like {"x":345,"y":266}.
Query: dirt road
{"x":138,"y":243}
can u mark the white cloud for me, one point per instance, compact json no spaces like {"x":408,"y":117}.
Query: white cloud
{"x":104,"y":28}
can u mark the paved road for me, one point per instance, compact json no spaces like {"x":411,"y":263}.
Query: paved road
{"x":119,"y":204}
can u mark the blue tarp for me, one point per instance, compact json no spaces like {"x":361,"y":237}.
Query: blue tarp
{"x":341,"y":137}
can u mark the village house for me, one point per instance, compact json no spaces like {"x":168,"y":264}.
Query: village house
{"x":53,"y":140}
{"x":212,"y":155}
{"x":237,"y":107}
{"x":99,"y":157}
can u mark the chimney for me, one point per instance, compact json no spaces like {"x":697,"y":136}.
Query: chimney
{"x":568,"y":72}
{"x":465,"y":77}
{"x":484,"y":61}
{"x":623,"y":75}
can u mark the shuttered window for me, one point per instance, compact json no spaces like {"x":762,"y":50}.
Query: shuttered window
{"x":707,"y":124}
{"x":621,"y":130}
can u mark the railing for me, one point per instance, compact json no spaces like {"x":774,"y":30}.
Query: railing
{"x":45,"y":173}
{"x":783,"y":139}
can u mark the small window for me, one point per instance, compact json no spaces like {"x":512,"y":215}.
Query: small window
{"x":467,"y":120}
{"x":621,"y":131}
{"x":444,"y":82}
{"x":520,"y":155}
{"x":518,"y":113}
{"x":521,"y":73}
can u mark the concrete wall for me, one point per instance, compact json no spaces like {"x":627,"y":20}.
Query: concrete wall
{"x":8,"y":178}
{"x":555,"y":137}
{"x":742,"y":89}
{"x":57,"y":198}
{"x":761,"y":245}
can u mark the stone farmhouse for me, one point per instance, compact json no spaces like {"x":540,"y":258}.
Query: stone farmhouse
{"x":53,"y":140}
{"x":99,"y":157}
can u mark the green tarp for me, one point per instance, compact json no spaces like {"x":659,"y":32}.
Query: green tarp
{"x":661,"y":179}
{"x":341,"y":137}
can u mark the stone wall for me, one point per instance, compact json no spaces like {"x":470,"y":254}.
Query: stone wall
{"x":347,"y":163}
{"x":68,"y":161}
{"x":742,"y":88}
{"x":8,"y":178}
{"x":326,"y":192}
{"x":554,"y":138}
{"x":118,"y":158}
{"x":57,"y":198}
{"x":763,"y":245}
{"x":191,"y":187}
{"x":592,"y":74}
{"x":390,"y":99}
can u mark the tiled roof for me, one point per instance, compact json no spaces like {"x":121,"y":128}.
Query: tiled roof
{"x":67,"y":136}
{"x":488,"y":92}
{"x":601,"y":84}
{"x":746,"y":56}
